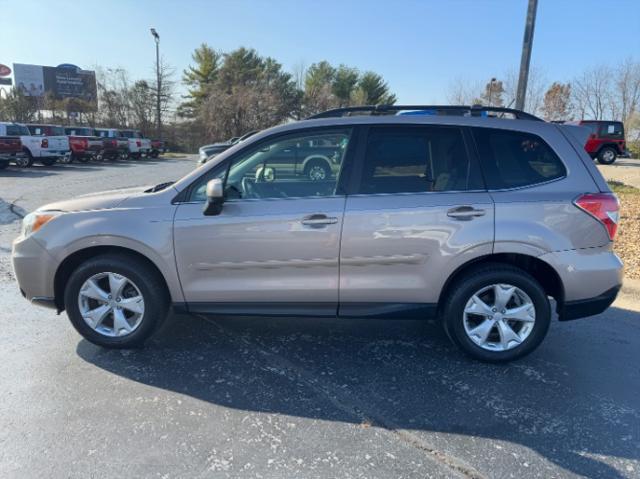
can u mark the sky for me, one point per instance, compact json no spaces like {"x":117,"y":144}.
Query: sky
{"x":419,"y":46}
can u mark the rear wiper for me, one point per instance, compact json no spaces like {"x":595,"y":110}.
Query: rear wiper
{"x":159,"y":187}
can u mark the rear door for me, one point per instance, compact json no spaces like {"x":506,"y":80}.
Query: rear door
{"x":419,"y":211}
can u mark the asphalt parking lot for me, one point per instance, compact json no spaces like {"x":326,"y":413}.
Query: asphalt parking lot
{"x":321,"y":398}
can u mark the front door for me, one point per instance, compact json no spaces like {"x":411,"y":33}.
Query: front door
{"x":419,"y":211}
{"x":274,"y":247}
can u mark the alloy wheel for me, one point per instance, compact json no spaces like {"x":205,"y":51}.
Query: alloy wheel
{"x":499,"y":317}
{"x":317,"y":173}
{"x":608,"y":155}
{"x":111,"y":304}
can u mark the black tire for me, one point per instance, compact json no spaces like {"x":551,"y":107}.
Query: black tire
{"x":607,"y":155}
{"x":155,"y":154}
{"x":48,"y":161}
{"x":4,"y":165}
{"x":27,"y":161}
{"x":474,"y":280}
{"x":83,"y":159}
{"x":314,"y":167}
{"x":146,"y":278}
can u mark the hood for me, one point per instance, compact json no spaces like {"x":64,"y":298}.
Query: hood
{"x":95,"y":201}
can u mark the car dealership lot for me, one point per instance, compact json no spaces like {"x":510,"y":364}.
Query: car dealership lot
{"x":300,"y":398}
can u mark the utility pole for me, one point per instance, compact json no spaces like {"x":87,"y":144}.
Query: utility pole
{"x":156,"y":37}
{"x":527,"y":43}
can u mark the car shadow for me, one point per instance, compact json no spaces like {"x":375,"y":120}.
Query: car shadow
{"x":627,"y":162}
{"x":563,"y":401}
{"x":15,"y":172}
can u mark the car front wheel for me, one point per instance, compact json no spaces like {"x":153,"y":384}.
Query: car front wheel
{"x":116,"y":301}
{"x":497,"y":313}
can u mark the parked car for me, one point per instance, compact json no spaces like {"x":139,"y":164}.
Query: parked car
{"x":138,"y":145}
{"x":208,"y":152}
{"x":157,"y":148}
{"x":84,"y":143}
{"x":46,"y":149}
{"x":10,"y":148}
{"x":606,"y":139}
{"x":472,"y":220}
{"x":114,"y":146}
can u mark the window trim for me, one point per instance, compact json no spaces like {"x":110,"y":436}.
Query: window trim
{"x":522,"y":187}
{"x":342,"y":181}
{"x":355,"y":184}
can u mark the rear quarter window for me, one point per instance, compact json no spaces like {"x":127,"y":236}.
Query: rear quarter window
{"x":512,"y":159}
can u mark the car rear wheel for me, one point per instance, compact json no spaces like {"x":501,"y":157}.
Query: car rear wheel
{"x":25,"y":161}
{"x":607,"y":155}
{"x":116,"y":301}
{"x":496,"y":313}
{"x":317,"y":170}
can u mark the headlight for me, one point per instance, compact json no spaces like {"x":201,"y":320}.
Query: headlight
{"x":34,"y":221}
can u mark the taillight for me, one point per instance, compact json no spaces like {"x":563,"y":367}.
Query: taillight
{"x":44,"y":143}
{"x":139,"y":143}
{"x":602,"y":206}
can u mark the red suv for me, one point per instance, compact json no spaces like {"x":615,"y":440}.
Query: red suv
{"x":606,"y":139}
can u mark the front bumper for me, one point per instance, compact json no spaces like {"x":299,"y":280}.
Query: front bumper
{"x":35,"y":270}
{"x":588,"y":307}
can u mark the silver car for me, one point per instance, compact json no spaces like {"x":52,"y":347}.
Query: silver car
{"x":474,"y":216}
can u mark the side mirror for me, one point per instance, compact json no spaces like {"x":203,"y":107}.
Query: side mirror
{"x":215,"y":197}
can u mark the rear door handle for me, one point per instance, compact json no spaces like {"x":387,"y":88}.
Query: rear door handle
{"x":319,"y":220}
{"x":465,"y":213}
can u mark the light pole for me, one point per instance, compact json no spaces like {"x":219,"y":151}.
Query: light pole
{"x":527,"y":44}
{"x":156,"y":37}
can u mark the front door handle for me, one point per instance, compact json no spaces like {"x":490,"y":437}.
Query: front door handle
{"x":319,"y":220}
{"x":465,"y":213}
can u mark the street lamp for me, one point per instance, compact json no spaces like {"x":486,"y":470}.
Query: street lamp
{"x":156,"y":38}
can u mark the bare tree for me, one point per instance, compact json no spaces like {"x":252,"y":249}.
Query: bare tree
{"x":591,"y":93}
{"x":625,"y":90}
{"x":463,"y":92}
{"x":536,"y":86}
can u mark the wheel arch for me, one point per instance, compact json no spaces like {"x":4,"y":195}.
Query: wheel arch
{"x":71,"y":262}
{"x":541,"y":271}
{"x":613,"y":146}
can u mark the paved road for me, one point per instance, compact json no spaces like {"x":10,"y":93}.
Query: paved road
{"x":302,"y":398}
{"x":624,"y":169}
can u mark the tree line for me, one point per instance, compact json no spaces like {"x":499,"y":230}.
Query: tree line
{"x":603,"y":92}
{"x":228,"y":94}
{"x":231,"y":93}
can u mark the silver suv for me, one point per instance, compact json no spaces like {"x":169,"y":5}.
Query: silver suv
{"x":474,"y":216}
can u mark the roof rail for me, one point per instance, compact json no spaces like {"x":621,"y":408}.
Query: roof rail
{"x":466,"y":110}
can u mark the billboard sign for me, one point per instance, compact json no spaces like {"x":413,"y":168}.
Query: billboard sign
{"x":64,"y":81}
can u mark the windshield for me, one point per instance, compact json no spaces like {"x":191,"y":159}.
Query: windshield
{"x":130,"y":134}
{"x":57,"y":131}
{"x":18,"y":130}
{"x":80,"y":131}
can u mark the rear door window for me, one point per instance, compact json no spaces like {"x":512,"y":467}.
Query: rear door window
{"x":401,"y":159}
{"x":512,"y":159}
{"x":611,"y":130}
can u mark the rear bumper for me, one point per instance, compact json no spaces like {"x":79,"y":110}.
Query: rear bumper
{"x":588,"y":307}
